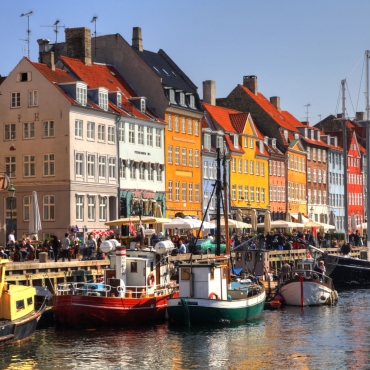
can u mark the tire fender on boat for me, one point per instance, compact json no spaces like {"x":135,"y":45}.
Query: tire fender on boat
{"x":213,"y":296}
{"x":151,"y":279}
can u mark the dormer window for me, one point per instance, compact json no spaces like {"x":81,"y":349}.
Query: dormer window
{"x":236,"y":141}
{"x":103,"y":99}
{"x":305,"y":132}
{"x":220,"y":143}
{"x":182,"y":98}
{"x":262,"y":148}
{"x":142,"y":105}
{"x":296,"y":136}
{"x":312,"y":135}
{"x":191,"y":101}
{"x":318,"y":135}
{"x":119,"y":100}
{"x":274,"y":143}
{"x":81,"y":94}
{"x":207,"y":141}
{"x":171,"y":95}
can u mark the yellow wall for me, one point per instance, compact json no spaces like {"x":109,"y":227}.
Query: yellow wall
{"x":297,"y":176}
{"x":258,"y":180}
{"x":190,"y":173}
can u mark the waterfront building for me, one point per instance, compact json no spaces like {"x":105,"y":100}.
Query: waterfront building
{"x":317,"y":169}
{"x":138,"y":132}
{"x":273,"y":122}
{"x":44,"y":135}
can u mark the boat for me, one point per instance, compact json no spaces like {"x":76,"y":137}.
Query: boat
{"x":135,"y":289}
{"x":306,"y":286}
{"x":206,"y":292}
{"x":19,"y":312}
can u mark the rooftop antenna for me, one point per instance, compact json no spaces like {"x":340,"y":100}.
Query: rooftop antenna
{"x":28,"y":30}
{"x":94,"y":19}
{"x":56,"y":30}
{"x":307,"y":105}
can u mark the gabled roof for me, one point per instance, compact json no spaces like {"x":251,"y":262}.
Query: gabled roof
{"x":221,"y":116}
{"x":283,"y":118}
{"x":231,"y":146}
{"x":103,"y":75}
{"x":238,"y":120}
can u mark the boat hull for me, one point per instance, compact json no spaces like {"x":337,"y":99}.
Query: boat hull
{"x":188,"y":310}
{"x":12,"y":332}
{"x":89,"y":311}
{"x":305,"y":293}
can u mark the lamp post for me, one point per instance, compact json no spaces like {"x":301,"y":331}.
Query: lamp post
{"x":311,"y":210}
{"x":11,"y":198}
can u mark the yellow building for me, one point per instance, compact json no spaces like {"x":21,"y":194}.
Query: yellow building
{"x":248,"y":173}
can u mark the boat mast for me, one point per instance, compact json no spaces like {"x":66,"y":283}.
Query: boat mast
{"x":226,"y":205}
{"x":345,"y":160}
{"x":367,"y":54}
{"x":218,"y":204}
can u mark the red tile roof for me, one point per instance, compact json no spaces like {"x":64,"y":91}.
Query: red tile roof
{"x":282,"y":118}
{"x":230,"y":143}
{"x":222,"y":116}
{"x":238,"y":120}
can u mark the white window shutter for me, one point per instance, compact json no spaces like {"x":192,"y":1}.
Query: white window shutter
{"x":18,"y":77}
{"x":29,"y":76}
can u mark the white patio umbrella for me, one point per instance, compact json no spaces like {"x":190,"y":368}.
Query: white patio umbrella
{"x":186,"y":223}
{"x":233,"y":224}
{"x":282,"y":224}
{"x":267,"y":223}
{"x":136,"y":221}
{"x":362,"y":226}
{"x":35,"y":222}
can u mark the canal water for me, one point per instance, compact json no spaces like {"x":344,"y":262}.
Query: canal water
{"x":335,"y":337}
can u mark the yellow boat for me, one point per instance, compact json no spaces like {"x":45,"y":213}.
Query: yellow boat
{"x":18,"y":312}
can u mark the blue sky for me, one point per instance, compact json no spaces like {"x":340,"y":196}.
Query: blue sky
{"x":299,"y":50}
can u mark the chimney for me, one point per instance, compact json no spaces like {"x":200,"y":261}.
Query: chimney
{"x":304,"y":123}
{"x":137,"y":40}
{"x":360,"y":116}
{"x":46,"y":56}
{"x":339,"y":115}
{"x":250,"y":82}
{"x":79,"y":44}
{"x":43,"y":45}
{"x":275,"y":101}
{"x":209,"y":92}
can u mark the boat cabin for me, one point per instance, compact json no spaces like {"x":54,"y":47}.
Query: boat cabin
{"x":16,"y":301}
{"x":203,"y":280}
{"x":306,"y":265}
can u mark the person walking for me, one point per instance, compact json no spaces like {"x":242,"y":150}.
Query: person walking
{"x":65,"y":247}
{"x":55,"y":246}
{"x":90,"y":245}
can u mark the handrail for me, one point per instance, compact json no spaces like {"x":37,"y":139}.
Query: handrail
{"x":308,"y":274}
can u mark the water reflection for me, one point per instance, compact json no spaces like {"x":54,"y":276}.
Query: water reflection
{"x":317,"y":337}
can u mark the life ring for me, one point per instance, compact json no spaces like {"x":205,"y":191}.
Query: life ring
{"x":151,"y":279}
{"x":213,"y":296}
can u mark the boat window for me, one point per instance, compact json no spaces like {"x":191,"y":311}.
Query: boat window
{"x":212,"y":271}
{"x":260,"y":257}
{"x":238,"y":256}
{"x":151,"y":266}
{"x":224,"y":273}
{"x":185,"y":273}
{"x":19,"y":305}
{"x":307,"y":267}
{"x":133,"y":266}
{"x":29,"y":300}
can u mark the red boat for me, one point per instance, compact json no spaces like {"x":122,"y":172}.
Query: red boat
{"x":135,"y":291}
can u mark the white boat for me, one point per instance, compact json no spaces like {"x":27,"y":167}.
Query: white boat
{"x":305,"y":286}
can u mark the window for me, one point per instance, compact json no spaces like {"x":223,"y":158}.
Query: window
{"x":251,"y":168}
{"x":183,"y":195}
{"x":91,"y":208}
{"x":192,"y":101}
{"x":257,"y":168}
{"x":252,"y":193}
{"x":283,"y":193}
{"x":233,"y":165}
{"x":309,"y":174}
{"x":183,"y":125}
{"x":190,"y":187}
{"x":262,"y":169}
{"x":246,"y":195}
{"x":233,"y":192}
{"x":183,"y":157}
{"x":111,"y":135}
{"x":159,"y":174}
{"x":314,"y":154}
{"x":251,"y":145}
{"x":103,"y":100}
{"x":29,"y":165}
{"x":278,"y":168}
{"x":119,"y":100}
{"x":245,"y":142}
{"x":169,"y":190}
{"x":48,"y":129}
{"x":245,"y":165}
{"x":78,"y":128}
{"x":102,"y":166}
{"x":240,"y":165}
{"x":274,"y":167}
{"x":236,"y":141}
{"x":10,"y":167}
{"x":16,"y":100}
{"x":48,"y":208}
{"x":282,"y":169}
{"x":314,"y":175}
{"x":101,"y":132}
{"x":9,"y":131}
{"x":26,"y":208}
{"x":257,"y":194}
{"x":79,"y":164}
{"x":263,"y":195}
{"x":177,"y":191}
{"x":131,"y":133}
{"x":49,"y":165}
{"x":205,"y":170}
{"x":197,"y":192}
{"x":207,"y":141}
{"x":91,"y":165}
{"x":172,"y":96}
{"x":190,"y":157}
{"x":150,"y":173}
{"x":170,"y":154}
{"x":240,"y":192}
{"x":140,"y":135}
{"x":182,"y":98}
{"x":142,"y":172}
{"x":319,"y":156}
{"x":102,"y":208}
{"x":149,"y":136}
{"x":91,"y":130}
{"x":122,"y":169}
{"x":196,"y":158}
{"x":177,"y":155}
{"x":81,"y":94}
{"x":33,"y":98}
{"x":112,"y":168}
{"x":142,"y":105}
{"x":158,"y":139}
{"x":324,"y":156}
{"x":190,"y":125}
{"x":220,"y":143}
{"x":205,"y":199}
{"x":270,"y":167}
{"x":177,"y":124}
{"x":169,"y":121}
{"x":196,"y":128}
